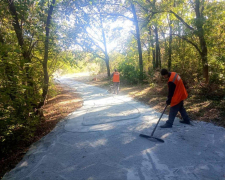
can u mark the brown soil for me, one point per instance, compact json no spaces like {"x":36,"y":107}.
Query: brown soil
{"x":56,"y":109}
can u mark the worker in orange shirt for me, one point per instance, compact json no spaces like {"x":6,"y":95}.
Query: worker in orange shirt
{"x":177,"y":93}
{"x":116,"y":81}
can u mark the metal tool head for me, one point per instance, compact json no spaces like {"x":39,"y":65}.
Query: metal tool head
{"x":152,"y":138}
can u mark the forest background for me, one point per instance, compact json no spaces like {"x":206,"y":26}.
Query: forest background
{"x":40,"y":40}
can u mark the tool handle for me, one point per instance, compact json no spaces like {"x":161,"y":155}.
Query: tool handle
{"x":158,"y":121}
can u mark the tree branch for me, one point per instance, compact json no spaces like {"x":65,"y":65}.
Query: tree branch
{"x":190,"y":42}
{"x":178,"y":17}
{"x":120,"y":15}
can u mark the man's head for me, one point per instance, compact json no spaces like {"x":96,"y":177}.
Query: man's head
{"x":165,"y":73}
{"x":115,"y":70}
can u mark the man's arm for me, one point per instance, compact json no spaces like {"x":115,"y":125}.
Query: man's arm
{"x":172,"y":88}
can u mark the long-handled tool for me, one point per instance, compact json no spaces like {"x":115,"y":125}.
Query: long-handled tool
{"x":152,"y":137}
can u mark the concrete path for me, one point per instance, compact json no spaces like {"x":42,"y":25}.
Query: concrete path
{"x":100,"y":141}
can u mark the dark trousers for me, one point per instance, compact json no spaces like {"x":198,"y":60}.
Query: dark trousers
{"x":116,"y":87}
{"x":174,"y":110}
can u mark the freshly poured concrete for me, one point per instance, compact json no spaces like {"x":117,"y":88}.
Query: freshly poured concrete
{"x":100,"y":141}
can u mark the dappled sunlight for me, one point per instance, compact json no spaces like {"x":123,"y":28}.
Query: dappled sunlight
{"x":58,"y":96}
{"x":95,"y":144}
{"x":142,"y":92}
{"x":69,"y":101}
{"x":134,"y":93}
{"x":99,"y":142}
{"x":102,"y":127}
{"x":128,"y":139}
{"x":98,"y":109}
{"x":61,"y":105}
{"x":89,"y":166}
{"x":140,"y":127}
{"x":200,"y":105}
{"x":148,"y":150}
{"x":148,"y":122}
{"x":24,"y":164}
{"x":166,"y":135}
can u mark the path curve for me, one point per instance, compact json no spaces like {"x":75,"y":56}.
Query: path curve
{"x":100,"y":141}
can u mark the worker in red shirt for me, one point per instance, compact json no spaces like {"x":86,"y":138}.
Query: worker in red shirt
{"x":176,"y":95}
{"x":116,"y":81}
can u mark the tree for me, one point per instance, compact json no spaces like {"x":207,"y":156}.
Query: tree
{"x":199,"y":32}
{"x":24,"y":83}
{"x":138,"y":42}
{"x":46,"y":51}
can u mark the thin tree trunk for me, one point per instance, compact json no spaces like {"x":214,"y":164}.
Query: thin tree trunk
{"x":45,"y":62}
{"x":204,"y":52}
{"x":152,"y":47}
{"x":105,"y":49}
{"x":157,"y":47}
{"x":170,"y":48}
{"x":149,"y":47}
{"x":19,"y":34}
{"x":138,"y":42}
{"x":159,"y":58}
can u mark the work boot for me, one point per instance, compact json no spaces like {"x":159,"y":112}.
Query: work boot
{"x":166,"y":126}
{"x":185,"y":122}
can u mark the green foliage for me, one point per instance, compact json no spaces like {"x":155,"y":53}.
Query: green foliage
{"x":21,"y":70}
{"x":129,"y":73}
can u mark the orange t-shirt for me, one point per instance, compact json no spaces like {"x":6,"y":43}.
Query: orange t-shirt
{"x":180,"y":92}
{"x":116,"y":77}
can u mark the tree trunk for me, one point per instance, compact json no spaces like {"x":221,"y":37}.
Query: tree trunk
{"x":170,"y":48}
{"x":157,"y":47}
{"x":138,"y":43}
{"x":29,"y":93}
{"x":204,"y":52}
{"x":153,"y":48}
{"x":105,"y":49}
{"x":153,"y":59}
{"x":19,"y":34}
{"x":107,"y":64}
{"x":149,"y":48}
{"x":45,"y":62}
{"x":159,"y":57}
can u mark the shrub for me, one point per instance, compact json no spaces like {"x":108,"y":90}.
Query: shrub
{"x":129,"y":73}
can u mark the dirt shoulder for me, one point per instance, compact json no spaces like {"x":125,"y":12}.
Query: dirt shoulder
{"x":198,"y":107}
{"x":56,"y":109}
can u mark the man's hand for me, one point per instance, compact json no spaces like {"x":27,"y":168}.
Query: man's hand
{"x":168,"y":101}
